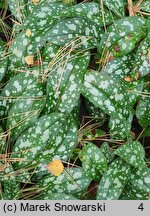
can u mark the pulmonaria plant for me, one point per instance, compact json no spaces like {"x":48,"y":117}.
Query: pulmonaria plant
{"x":75,"y":87}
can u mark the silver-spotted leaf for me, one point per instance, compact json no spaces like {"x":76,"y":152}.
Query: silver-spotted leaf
{"x":39,"y":22}
{"x":45,"y":131}
{"x":90,"y":10}
{"x":58,"y":196}
{"x":72,"y":182}
{"x":97,"y":114}
{"x":133,"y":153}
{"x":3,"y":60}
{"x":141,"y":64}
{"x":143,"y":111}
{"x":80,"y":30}
{"x":11,"y":186}
{"x":112,"y":95}
{"x":65,"y":82}
{"x":107,"y":152}
{"x":94,"y":162}
{"x":138,"y":187}
{"x":117,"y":7}
{"x":122,"y":37}
{"x":25,"y":109}
{"x":61,"y":149}
{"x":114,"y":180}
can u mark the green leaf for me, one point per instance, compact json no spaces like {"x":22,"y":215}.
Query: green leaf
{"x":58,"y":196}
{"x":107,"y":152}
{"x":19,"y":175}
{"x":145,"y":6}
{"x":23,"y":99}
{"x":65,"y":81}
{"x":98,"y":115}
{"x":119,"y":67}
{"x":51,"y":135}
{"x":98,"y":89}
{"x":62,"y":148}
{"x":39,"y":22}
{"x":80,"y":30}
{"x":141,"y":63}
{"x":26,"y":109}
{"x":11,"y":186}
{"x":114,"y":180}
{"x":48,"y":52}
{"x":93,"y":161}
{"x":17,"y":85}
{"x":120,"y":126}
{"x":141,"y":179}
{"x":3,"y":60}
{"x":36,"y":138}
{"x":122,"y":36}
{"x":117,"y":7}
{"x":146,"y":133}
{"x":138,"y":187}
{"x":92,"y":11}
{"x":2,"y":141}
{"x":19,"y":9}
{"x":143,"y":111}
{"x":71,"y":182}
{"x":133,"y":153}
{"x":15,"y":88}
{"x":112,"y":95}
{"x":91,"y":134}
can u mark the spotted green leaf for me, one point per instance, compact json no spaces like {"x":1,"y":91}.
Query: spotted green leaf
{"x":141,"y":63}
{"x":65,"y":82}
{"x":138,"y":186}
{"x":93,"y":161}
{"x":116,"y":6}
{"x":19,"y":175}
{"x":120,"y":126}
{"x":22,"y":97}
{"x":107,"y":152}
{"x":112,"y":96}
{"x":91,"y":11}
{"x":35,"y":139}
{"x":38,"y":23}
{"x":2,"y":141}
{"x":122,"y":37}
{"x":19,"y":9}
{"x":48,"y":52}
{"x":11,"y":187}
{"x":61,"y":148}
{"x":71,"y":182}
{"x":98,"y":115}
{"x":114,"y":180}
{"x":133,"y":153}
{"x":119,"y":67}
{"x":141,"y":179}
{"x":58,"y":196}
{"x":82,"y":31}
{"x":98,"y":88}
{"x":143,"y":111}
{"x":109,"y":93}
{"x":26,"y":109}
{"x":3,"y":60}
{"x":15,"y":88}
{"x":145,"y":6}
{"x":17,"y":84}
{"x":49,"y":136}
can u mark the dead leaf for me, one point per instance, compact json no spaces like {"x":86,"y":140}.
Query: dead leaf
{"x":29,"y":60}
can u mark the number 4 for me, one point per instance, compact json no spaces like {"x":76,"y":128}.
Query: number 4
{"x":141,"y":207}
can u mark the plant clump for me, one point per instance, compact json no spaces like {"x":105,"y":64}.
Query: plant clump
{"x":74,"y":99}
